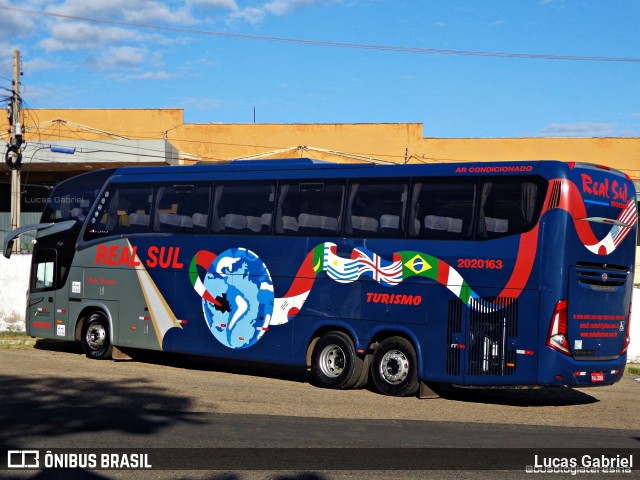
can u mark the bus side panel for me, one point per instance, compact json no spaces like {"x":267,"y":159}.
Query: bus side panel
{"x":443,"y":354}
{"x":501,"y":344}
{"x":40,"y":317}
{"x":103,"y":280}
{"x":235,"y":277}
{"x":482,"y":324}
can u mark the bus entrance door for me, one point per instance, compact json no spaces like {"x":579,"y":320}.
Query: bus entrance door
{"x":43,"y":320}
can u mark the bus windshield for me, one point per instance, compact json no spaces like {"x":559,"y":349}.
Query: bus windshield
{"x":71,"y":200}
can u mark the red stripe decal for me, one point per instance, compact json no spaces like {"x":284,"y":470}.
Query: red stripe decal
{"x":304,"y":279}
{"x":524,"y":264}
{"x":41,"y":325}
{"x":443,"y":273}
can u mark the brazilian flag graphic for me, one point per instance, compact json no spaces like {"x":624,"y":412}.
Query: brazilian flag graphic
{"x":421,"y":264}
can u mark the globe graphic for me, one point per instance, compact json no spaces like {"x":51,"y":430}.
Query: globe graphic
{"x":241,"y":284}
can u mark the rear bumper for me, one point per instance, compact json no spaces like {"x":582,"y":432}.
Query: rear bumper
{"x":572,"y":373}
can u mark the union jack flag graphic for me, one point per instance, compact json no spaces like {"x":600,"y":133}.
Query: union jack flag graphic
{"x":385,"y":272}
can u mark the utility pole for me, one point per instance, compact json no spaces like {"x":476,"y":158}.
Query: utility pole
{"x":13,"y":156}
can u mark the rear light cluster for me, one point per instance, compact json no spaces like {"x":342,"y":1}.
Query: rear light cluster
{"x":627,"y":339}
{"x":557,"y":337}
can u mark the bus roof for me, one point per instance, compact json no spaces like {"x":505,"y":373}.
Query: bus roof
{"x":272,"y":167}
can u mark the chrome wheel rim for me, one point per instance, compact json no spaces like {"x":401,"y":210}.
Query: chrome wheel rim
{"x":332,"y":361}
{"x":96,"y":336}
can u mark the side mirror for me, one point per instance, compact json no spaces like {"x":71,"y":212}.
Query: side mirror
{"x":8,"y":248}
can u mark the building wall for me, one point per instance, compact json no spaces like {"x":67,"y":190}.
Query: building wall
{"x":216,"y":142}
{"x":620,"y":153}
{"x":387,"y":141}
{"x":67,"y":124}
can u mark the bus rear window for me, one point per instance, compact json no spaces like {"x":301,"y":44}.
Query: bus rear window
{"x":73,"y":199}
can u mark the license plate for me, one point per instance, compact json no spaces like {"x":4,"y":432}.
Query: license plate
{"x":597,"y":377}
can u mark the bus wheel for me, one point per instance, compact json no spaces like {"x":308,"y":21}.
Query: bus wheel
{"x":394,"y":367}
{"x":95,"y":340}
{"x":363,"y":381}
{"x":334,"y":363}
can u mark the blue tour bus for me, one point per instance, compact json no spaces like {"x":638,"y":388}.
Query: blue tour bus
{"x":477,"y":274}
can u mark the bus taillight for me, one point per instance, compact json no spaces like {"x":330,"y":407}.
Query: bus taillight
{"x":557,"y":338}
{"x":627,"y":339}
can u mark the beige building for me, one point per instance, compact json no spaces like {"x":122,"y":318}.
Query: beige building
{"x":390,"y":142}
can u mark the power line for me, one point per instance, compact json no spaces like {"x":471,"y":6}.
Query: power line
{"x":323,"y":43}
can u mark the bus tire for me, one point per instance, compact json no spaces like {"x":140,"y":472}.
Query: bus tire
{"x":363,"y":381}
{"x":95,"y":339}
{"x":334,"y":363}
{"x":394,"y":367}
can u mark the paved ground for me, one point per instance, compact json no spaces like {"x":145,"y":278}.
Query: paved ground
{"x":194,"y":385}
{"x":53,"y":397}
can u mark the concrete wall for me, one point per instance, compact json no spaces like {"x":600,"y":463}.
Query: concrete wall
{"x":14,"y":280}
{"x":14,"y":274}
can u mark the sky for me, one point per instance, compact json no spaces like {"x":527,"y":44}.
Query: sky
{"x":462,"y":68}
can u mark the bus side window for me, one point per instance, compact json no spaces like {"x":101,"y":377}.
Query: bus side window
{"x":243,"y":209}
{"x":377,"y":209}
{"x":122,"y":209}
{"x":442,"y":211}
{"x":507,"y":208}
{"x":181,"y":209}
{"x":44,"y":270}
{"x":310,"y":208}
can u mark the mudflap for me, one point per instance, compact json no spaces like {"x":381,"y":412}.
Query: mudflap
{"x":427,"y":390}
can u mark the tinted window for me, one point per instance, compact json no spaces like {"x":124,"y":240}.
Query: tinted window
{"x":442,"y":210}
{"x":310,"y":208}
{"x":181,"y":208}
{"x":73,"y":198}
{"x":43,"y":275}
{"x":508,"y":207}
{"x":243,"y":209}
{"x":377,"y":209}
{"x":122,"y":209}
